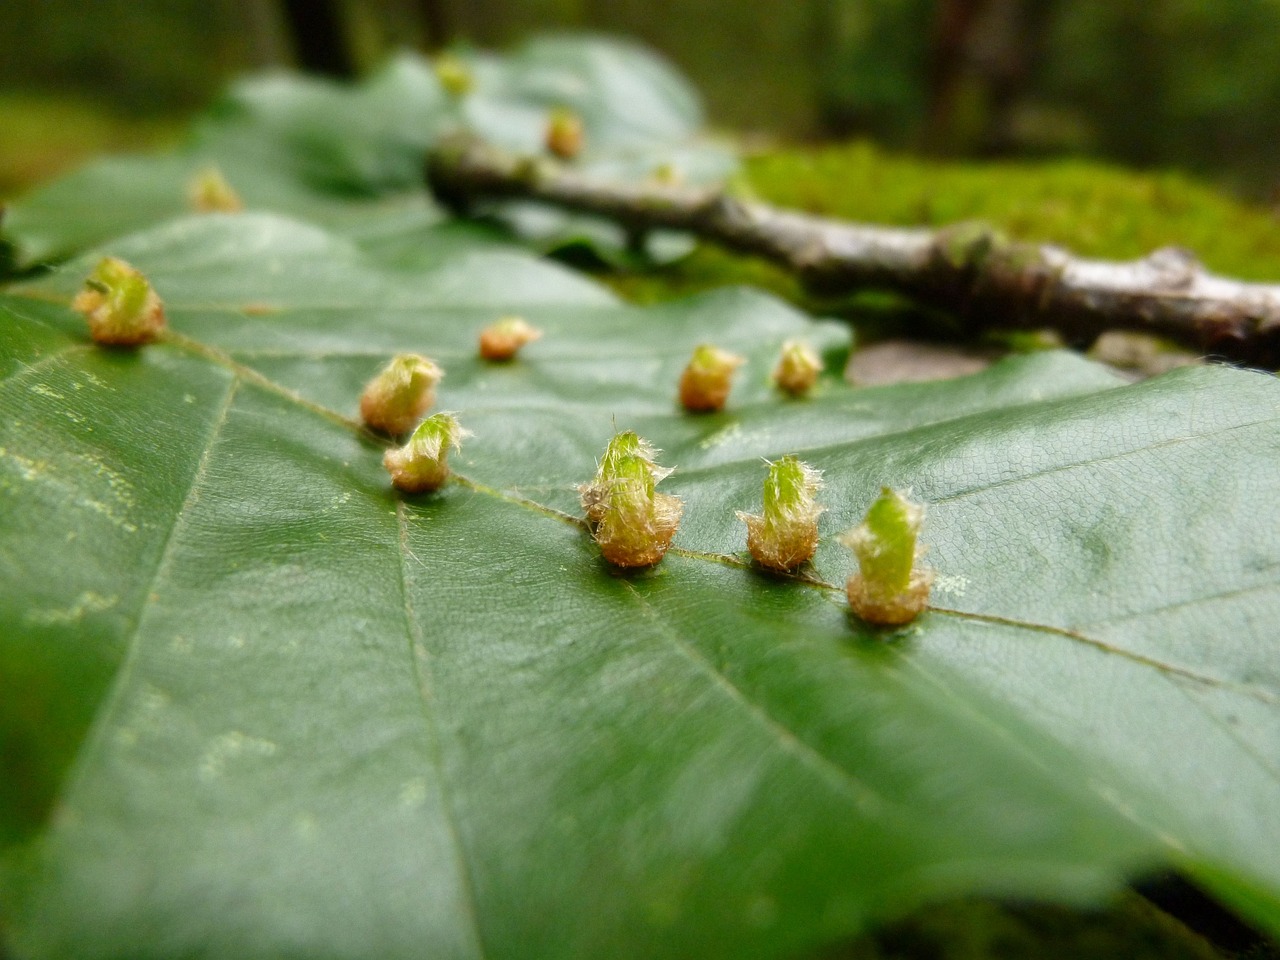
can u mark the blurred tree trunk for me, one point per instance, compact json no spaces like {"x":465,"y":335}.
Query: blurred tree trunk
{"x":437,"y":24}
{"x":981,"y":60}
{"x":950,"y":36}
{"x":320,"y":37}
{"x":264,"y":27}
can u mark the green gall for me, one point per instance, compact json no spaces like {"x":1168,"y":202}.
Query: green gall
{"x":624,"y":445}
{"x":120,"y":305}
{"x":209,"y":192}
{"x":786,"y":534}
{"x":798,"y":368}
{"x":502,"y":339}
{"x":706,"y":381}
{"x":633,"y":523}
{"x":400,"y":394}
{"x":890,"y":588}
{"x":454,"y":75}
{"x":421,"y":465}
{"x":638,"y":522}
{"x":565,"y":136}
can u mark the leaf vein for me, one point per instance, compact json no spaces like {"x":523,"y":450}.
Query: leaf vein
{"x":27,"y":369}
{"x":869,"y":802}
{"x":423,"y":684}
{"x":94,"y":742}
{"x":1186,"y":673}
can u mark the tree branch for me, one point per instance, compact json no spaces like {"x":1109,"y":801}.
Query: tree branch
{"x":969,"y":270}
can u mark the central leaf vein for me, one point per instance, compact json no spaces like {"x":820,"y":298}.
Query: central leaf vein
{"x":96,"y":740}
{"x":424,"y":687}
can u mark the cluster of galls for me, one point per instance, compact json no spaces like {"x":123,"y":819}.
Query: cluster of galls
{"x":630,"y":520}
{"x":634,"y":525}
{"x":564,"y":133}
{"x":395,"y":399}
{"x":708,"y":377}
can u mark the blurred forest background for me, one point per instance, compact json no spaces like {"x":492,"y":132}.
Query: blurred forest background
{"x":1187,"y":84}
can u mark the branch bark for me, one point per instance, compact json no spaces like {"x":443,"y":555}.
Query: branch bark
{"x":969,"y":270}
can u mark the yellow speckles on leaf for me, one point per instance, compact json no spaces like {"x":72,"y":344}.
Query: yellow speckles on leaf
{"x":228,"y":748}
{"x":88,"y":602}
{"x":111,"y":495}
{"x":413,"y":793}
{"x":44,"y":390}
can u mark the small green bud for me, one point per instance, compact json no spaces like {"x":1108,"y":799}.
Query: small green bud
{"x":502,"y":339}
{"x":565,"y":135}
{"x":120,"y":304}
{"x":628,"y":443}
{"x":706,"y":381}
{"x":786,"y":535}
{"x":454,"y":75}
{"x":209,"y":192}
{"x":421,"y":465}
{"x":890,"y":587}
{"x":400,"y":393}
{"x":798,"y":368}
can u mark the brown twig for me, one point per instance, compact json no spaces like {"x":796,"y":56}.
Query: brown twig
{"x":969,"y":270}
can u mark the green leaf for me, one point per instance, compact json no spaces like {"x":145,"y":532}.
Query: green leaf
{"x":260,"y":705}
{"x":350,"y":157}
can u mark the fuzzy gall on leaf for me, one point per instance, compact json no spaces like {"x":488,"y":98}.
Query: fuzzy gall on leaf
{"x":798,"y":368}
{"x":635,"y":523}
{"x":120,"y":304}
{"x":402,"y":391}
{"x":707,"y":380}
{"x":785,"y":535}
{"x":890,"y":587}
{"x":503,"y":339}
{"x":422,"y":464}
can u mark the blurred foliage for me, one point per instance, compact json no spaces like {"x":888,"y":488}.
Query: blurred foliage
{"x":135,"y":56}
{"x":47,"y":135}
{"x":1185,"y":83}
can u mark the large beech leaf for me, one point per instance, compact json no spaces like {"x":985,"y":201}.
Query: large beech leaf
{"x":350,"y":157}
{"x":259,"y":705}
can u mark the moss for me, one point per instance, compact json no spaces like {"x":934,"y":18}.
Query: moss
{"x":1094,"y":209}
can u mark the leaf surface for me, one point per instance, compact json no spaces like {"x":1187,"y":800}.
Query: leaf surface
{"x":350,"y":158}
{"x":262,"y":706}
